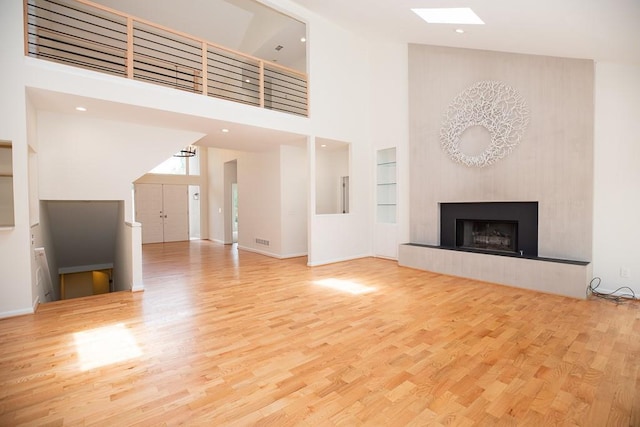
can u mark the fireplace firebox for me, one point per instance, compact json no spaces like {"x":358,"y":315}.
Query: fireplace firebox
{"x":489,"y":235}
{"x":492,"y":227}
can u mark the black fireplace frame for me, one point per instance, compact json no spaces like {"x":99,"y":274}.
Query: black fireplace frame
{"x":524,"y":213}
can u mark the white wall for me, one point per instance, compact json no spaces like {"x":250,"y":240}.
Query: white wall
{"x":272,"y":199}
{"x":259,"y":202}
{"x":38,"y":279}
{"x":15,"y":255}
{"x":340,"y":237}
{"x":45,"y":240}
{"x":128,"y":257}
{"x":616,"y":235}
{"x":92,"y":159}
{"x":389,"y":122}
{"x":294,"y":187}
{"x":342,"y":98}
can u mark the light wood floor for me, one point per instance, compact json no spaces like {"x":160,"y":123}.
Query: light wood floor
{"x":221,"y":338}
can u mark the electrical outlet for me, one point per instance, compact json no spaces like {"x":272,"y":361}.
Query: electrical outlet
{"x":625,"y":272}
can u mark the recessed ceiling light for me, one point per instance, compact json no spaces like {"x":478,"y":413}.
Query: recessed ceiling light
{"x":247,"y":80}
{"x":303,"y":39}
{"x":459,"y":30}
{"x":451,"y":15}
{"x":81,"y":109}
{"x":323,"y":145}
{"x":225,"y":130}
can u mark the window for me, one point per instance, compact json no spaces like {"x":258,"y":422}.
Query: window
{"x":179,"y":165}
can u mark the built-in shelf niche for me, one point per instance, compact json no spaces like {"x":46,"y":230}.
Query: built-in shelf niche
{"x":386,"y":186}
{"x":6,"y":185}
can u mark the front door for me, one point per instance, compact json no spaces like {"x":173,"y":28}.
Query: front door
{"x":176,"y":212}
{"x":163,"y":211}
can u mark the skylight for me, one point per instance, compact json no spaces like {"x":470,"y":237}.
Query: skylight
{"x":451,"y":15}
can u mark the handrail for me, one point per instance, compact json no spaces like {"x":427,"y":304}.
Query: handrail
{"x":81,"y":40}
{"x":286,"y":84}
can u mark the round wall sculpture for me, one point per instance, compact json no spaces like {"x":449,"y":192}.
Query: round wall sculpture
{"x":493,"y":105}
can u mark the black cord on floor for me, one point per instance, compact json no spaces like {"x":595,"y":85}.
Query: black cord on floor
{"x":611,"y":296}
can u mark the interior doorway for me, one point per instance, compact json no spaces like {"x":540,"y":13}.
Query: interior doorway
{"x":231,"y":203}
{"x":234,"y":212}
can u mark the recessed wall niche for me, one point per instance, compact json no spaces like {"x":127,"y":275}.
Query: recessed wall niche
{"x":6,"y":185}
{"x":332,"y":177}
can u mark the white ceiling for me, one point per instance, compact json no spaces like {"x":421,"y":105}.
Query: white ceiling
{"x":604,"y":30}
{"x":240,"y":137}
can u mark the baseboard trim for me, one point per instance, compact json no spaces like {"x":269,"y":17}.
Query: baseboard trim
{"x":258,"y":251}
{"x":36,"y":303}
{"x":298,"y":255}
{"x":335,"y":260}
{"x":137,"y":287}
{"x":14,"y":313}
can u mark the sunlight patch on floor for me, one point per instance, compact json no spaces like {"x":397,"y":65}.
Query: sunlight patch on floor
{"x":106,"y":345}
{"x":353,"y":288}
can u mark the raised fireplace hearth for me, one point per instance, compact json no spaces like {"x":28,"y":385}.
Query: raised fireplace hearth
{"x":490,"y":227}
{"x":496,"y":242}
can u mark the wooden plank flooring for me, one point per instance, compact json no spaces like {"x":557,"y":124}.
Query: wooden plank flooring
{"x":226,"y":338}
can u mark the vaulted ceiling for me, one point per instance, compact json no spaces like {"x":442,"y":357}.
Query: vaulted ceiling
{"x":604,"y":30}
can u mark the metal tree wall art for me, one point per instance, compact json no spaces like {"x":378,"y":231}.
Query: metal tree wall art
{"x":493,"y":105}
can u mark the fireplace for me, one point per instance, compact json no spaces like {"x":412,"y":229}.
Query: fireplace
{"x":508,"y":228}
{"x":487,"y":235}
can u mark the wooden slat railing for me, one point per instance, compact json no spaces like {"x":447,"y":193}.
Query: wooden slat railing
{"x":95,"y":37}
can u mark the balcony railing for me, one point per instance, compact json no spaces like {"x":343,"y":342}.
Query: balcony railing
{"x":91,"y":36}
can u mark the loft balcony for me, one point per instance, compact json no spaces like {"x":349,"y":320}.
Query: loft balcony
{"x":87,"y":35}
